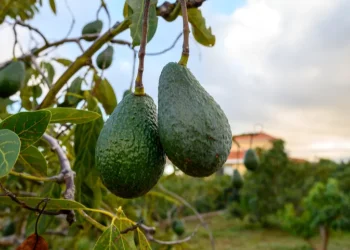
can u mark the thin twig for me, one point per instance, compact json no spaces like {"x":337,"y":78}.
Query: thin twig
{"x":186,"y":32}
{"x":174,"y":242}
{"x":167,"y":49}
{"x":187,"y":204}
{"x":73,"y":19}
{"x":33,"y":29}
{"x":24,"y":205}
{"x":142,"y":52}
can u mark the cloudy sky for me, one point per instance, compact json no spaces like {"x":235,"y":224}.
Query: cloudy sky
{"x":283,"y":64}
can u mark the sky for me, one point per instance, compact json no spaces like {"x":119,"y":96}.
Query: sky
{"x":281,"y":64}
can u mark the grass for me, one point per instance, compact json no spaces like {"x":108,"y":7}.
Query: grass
{"x":231,"y":234}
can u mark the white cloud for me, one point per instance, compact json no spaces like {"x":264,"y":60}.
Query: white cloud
{"x":284,"y":64}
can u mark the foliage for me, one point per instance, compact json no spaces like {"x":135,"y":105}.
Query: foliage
{"x":324,"y":206}
{"x":279,"y":181}
{"x":70,"y":108}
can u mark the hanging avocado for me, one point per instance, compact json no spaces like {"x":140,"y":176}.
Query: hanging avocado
{"x":11,"y":78}
{"x":178,"y":227}
{"x":251,"y":160}
{"x":237,"y":180}
{"x":93,"y":28}
{"x":193,"y":129}
{"x":129,"y":155}
{"x":105,"y":58}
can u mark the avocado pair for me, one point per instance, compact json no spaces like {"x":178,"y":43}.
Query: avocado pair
{"x":190,"y":128}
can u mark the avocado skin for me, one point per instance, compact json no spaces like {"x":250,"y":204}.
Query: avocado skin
{"x":129,"y":155}
{"x":105,"y":58}
{"x":91,"y":28}
{"x":11,"y":78}
{"x":193,"y":129}
{"x":237,"y":180}
{"x":251,"y":160}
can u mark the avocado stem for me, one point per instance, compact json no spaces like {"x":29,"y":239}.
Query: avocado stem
{"x":186,"y":30}
{"x":142,"y":52}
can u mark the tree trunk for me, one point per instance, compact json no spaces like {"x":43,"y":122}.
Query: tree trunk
{"x":324,"y":232}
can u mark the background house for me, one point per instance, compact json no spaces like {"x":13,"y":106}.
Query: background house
{"x":245,"y":141}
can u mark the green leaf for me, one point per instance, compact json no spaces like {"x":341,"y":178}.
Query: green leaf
{"x":63,"y":61}
{"x":29,"y":126}
{"x":201,"y":33}
{"x":53,"y":204}
{"x":73,"y":90}
{"x":50,"y":71}
{"x":87,"y":176}
{"x":127,"y":11}
{"x":53,"y":6}
{"x":105,"y":94}
{"x":72,"y":115}
{"x":137,"y":7}
{"x":143,"y":242}
{"x":9,"y":149}
{"x":107,"y":239}
{"x":125,"y":241}
{"x":33,"y":161}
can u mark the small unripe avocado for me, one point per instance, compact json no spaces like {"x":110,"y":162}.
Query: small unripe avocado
{"x":178,"y":227}
{"x":129,"y":155}
{"x":193,"y":129}
{"x":237,"y":180}
{"x":11,"y":78}
{"x":92,"y":28}
{"x":251,"y":160}
{"x":105,"y":58}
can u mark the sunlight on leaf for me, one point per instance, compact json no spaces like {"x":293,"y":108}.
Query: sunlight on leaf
{"x":10,"y":145}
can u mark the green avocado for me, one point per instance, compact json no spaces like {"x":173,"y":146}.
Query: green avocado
{"x":126,"y":92}
{"x":237,"y":180}
{"x":251,"y":160}
{"x":94,"y":27}
{"x":9,"y":229}
{"x":11,"y":78}
{"x":178,"y":227}
{"x":129,"y":155}
{"x":193,"y":129}
{"x":105,"y":58}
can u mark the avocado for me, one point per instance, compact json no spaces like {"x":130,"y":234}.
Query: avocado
{"x":251,"y":160}
{"x":126,"y":92}
{"x":92,"y":28}
{"x":237,"y":180}
{"x":193,"y":129}
{"x":71,"y":99}
{"x":105,"y":58}
{"x":129,"y":155}
{"x":178,"y":227}
{"x":11,"y":78}
{"x":9,"y":229}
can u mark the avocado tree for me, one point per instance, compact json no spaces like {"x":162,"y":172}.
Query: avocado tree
{"x":326,"y":207}
{"x":61,"y":158}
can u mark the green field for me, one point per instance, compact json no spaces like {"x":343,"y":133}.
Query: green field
{"x":231,"y":234}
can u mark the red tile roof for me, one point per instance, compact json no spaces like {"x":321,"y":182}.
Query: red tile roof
{"x":256,"y":136}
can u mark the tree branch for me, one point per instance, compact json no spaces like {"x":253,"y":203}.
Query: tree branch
{"x":66,"y":174}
